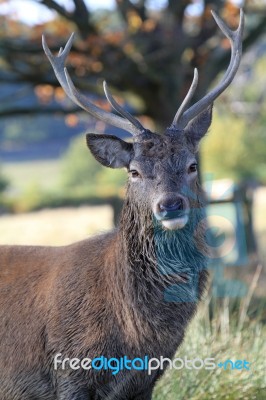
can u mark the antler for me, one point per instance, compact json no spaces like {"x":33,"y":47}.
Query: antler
{"x":128,"y":123}
{"x":182,"y":118}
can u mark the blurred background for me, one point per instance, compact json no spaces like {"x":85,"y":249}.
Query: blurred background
{"x":53,"y":192}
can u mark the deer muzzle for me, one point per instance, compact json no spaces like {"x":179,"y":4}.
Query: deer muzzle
{"x":172,"y":211}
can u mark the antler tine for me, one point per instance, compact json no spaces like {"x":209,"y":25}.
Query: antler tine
{"x":235,"y":37}
{"x":58,"y":64}
{"x":119,"y":109}
{"x":187,"y":99}
{"x":182,"y":119}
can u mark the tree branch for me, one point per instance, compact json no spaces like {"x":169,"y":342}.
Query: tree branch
{"x":177,"y":8}
{"x":37,"y":110}
{"x":125,"y":6}
{"x":56,"y":7}
{"x":81,"y":8}
{"x":80,"y":16}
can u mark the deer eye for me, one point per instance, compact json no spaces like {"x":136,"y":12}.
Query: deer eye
{"x":134,"y":173}
{"x":193,"y":168}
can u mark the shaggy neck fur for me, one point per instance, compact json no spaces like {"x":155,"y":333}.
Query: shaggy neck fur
{"x":162,"y":264}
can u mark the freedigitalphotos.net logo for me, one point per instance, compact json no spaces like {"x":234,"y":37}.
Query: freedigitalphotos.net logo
{"x":147,"y":364}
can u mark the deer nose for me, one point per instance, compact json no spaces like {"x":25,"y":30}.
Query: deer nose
{"x":171,"y":205}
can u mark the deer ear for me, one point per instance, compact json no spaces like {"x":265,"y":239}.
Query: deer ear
{"x":109,"y":150}
{"x":199,"y":126}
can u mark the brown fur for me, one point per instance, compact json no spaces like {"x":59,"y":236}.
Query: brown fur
{"x":106,"y":295}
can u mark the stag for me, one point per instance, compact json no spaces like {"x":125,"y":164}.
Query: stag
{"x":130,"y":292}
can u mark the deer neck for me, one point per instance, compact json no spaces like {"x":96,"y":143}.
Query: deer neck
{"x":155,"y":258}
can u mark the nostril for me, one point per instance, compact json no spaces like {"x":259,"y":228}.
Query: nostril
{"x":180,"y":204}
{"x":177,"y":205}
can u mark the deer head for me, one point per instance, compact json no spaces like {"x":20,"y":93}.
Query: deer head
{"x":162,"y":168}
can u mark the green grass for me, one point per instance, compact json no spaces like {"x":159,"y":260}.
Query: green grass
{"x":218,"y":383}
{"x":228,"y":335}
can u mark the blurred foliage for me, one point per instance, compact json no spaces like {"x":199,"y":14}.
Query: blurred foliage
{"x":236,"y":144}
{"x":3,"y":182}
{"x":29,"y":199}
{"x":223,"y":148}
{"x":16,"y":132}
{"x":78,"y":166}
{"x":148,"y":52}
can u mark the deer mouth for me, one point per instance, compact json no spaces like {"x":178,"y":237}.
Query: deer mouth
{"x":172,"y":211}
{"x":175,"y":223}
{"x":173,"y":220}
